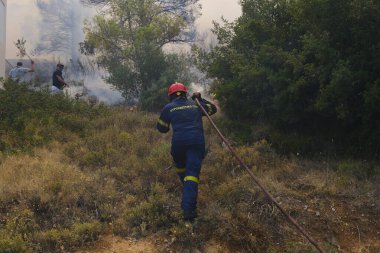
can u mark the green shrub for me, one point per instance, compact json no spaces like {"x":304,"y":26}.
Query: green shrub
{"x":12,"y":245}
{"x":150,"y":214}
{"x":186,"y":237}
{"x":33,"y":118}
{"x":107,"y":172}
{"x":302,"y":71}
{"x":78,"y":235}
{"x":23,"y":224}
{"x":360,"y":170}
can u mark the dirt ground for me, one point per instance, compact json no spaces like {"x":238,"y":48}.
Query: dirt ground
{"x":114,"y":244}
{"x":151,"y":244}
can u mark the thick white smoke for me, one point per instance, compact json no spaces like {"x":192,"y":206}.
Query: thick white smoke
{"x":61,"y":27}
{"x":94,"y":86}
{"x":202,"y":88}
{"x":60,"y":32}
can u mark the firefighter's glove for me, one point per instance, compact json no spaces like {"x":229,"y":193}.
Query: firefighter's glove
{"x":196,"y":95}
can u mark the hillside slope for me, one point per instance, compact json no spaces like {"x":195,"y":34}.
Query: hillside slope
{"x":109,"y":184}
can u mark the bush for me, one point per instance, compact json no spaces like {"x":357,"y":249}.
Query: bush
{"x":12,"y":245}
{"x":358,"y":170}
{"x":111,"y":176}
{"x":78,"y":235}
{"x":303,"y":71}
{"x":32,"y":118}
{"x":153,"y":213}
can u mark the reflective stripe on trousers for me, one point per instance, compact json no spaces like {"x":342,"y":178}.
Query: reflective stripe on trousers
{"x":189,"y":157}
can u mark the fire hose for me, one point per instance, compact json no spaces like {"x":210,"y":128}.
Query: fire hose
{"x":257,"y":181}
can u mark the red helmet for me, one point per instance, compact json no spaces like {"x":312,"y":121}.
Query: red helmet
{"x":176,"y":87}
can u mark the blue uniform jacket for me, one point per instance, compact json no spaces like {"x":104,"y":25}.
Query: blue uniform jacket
{"x":186,"y":120}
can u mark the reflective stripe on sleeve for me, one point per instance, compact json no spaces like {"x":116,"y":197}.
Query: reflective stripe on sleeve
{"x":209,"y":108}
{"x":163,"y":123}
{"x":180,"y":170}
{"x":191,"y":178}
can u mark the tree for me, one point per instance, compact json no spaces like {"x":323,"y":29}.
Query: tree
{"x":60,"y":32}
{"x":93,"y":2}
{"x":309,"y":67}
{"x":128,"y":38}
{"x":155,"y":97}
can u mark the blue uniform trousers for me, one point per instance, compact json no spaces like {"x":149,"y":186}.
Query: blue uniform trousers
{"x":188,"y":160}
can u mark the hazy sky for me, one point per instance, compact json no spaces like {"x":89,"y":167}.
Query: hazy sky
{"x":23,"y":19}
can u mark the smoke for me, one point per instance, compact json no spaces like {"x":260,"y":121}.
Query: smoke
{"x":89,"y":83}
{"x":104,"y":92}
{"x":61,"y":27}
{"x":197,"y":87}
{"x":202,"y":88}
{"x":60,"y":32}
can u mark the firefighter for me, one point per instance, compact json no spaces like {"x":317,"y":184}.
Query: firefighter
{"x":188,"y":143}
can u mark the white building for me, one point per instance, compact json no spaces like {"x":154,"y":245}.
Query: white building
{"x":3,"y":5}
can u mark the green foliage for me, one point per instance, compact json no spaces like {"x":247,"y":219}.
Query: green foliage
{"x":110,"y":174}
{"x":304,"y":67}
{"x":34,"y":118}
{"x":12,"y":245}
{"x":129,"y":40}
{"x":176,"y":70}
{"x":361,"y":171}
{"x":78,"y":235}
{"x":150,"y":214}
{"x":23,"y":224}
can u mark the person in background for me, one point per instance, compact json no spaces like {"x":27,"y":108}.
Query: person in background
{"x":58,"y":80}
{"x":17,"y":73}
{"x":188,"y":142}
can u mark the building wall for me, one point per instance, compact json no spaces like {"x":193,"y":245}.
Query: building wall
{"x":3,"y":4}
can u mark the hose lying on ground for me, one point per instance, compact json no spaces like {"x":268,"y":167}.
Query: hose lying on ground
{"x":257,"y":181}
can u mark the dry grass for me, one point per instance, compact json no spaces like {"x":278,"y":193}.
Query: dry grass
{"x":112,"y":178}
{"x":40,"y":174}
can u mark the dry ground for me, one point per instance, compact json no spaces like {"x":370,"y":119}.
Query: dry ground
{"x":115,"y":174}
